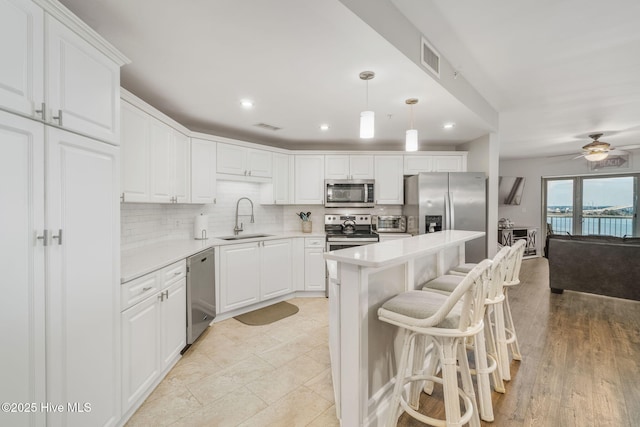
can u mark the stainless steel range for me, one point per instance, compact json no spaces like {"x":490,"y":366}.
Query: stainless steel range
{"x":346,"y":231}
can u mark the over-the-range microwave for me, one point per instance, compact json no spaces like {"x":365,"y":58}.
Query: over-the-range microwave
{"x":349,"y":193}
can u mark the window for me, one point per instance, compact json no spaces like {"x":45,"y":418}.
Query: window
{"x":592,"y":205}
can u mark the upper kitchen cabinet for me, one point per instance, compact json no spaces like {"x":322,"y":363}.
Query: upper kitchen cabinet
{"x":203,"y":171}
{"x":389,"y":188}
{"x":56,"y":69}
{"x":280,"y":190}
{"x":156,"y":158}
{"x":169,"y":164}
{"x":135,"y":140}
{"x":309,"y":179}
{"x":235,"y":161}
{"x":349,"y":167}
{"x":414,"y":164}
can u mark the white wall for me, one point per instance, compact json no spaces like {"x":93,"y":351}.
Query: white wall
{"x":483,"y":157}
{"x":529,"y":212}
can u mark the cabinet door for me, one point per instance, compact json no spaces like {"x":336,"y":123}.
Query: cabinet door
{"x":161,"y":163}
{"x":239,"y":276}
{"x":259,"y":163}
{"x":203,"y":171}
{"x":282,"y":179}
{"x":232,"y":159}
{"x":140,"y":349}
{"x":361,"y":167}
{"x":174,"y":321}
{"x":181,"y":176}
{"x":314,"y":270}
{"x":275,"y":265}
{"x":309,"y":179}
{"x":22,"y":53}
{"x":82,"y":85}
{"x":83,"y":279}
{"x":135,"y":154}
{"x":336,"y":167}
{"x":389,"y":186}
{"x":415,"y":164}
{"x":446,"y":163}
{"x":22,"y":306}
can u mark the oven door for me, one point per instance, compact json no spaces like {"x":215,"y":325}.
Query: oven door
{"x":349,"y":193}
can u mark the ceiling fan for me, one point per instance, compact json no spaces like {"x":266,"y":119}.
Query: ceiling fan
{"x":599,"y":150}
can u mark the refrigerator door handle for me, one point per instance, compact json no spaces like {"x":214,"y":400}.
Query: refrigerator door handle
{"x":447,"y":213}
{"x":452,"y":213}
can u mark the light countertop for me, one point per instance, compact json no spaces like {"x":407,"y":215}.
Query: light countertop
{"x":396,"y":251}
{"x":139,"y":261}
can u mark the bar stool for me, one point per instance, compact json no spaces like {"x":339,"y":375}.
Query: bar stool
{"x":447,"y":320}
{"x":485,"y":345}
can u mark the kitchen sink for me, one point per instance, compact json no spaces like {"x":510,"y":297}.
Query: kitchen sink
{"x":246,"y":236}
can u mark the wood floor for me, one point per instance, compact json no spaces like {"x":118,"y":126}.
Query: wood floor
{"x":581,"y":359}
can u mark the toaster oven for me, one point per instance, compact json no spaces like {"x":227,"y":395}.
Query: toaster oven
{"x":390,"y":223}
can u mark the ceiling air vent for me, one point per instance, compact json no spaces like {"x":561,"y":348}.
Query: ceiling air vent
{"x":266,"y":126}
{"x":430,"y":58}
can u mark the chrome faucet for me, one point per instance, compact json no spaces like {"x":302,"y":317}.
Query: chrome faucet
{"x":236,"y":229}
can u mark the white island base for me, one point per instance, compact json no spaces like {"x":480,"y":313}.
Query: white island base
{"x":362,"y":348}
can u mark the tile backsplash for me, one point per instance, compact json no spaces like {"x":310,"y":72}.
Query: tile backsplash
{"x":145,"y":223}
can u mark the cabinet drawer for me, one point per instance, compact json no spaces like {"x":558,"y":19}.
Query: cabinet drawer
{"x":314,"y":242}
{"x":172,"y":273}
{"x":138,"y":289}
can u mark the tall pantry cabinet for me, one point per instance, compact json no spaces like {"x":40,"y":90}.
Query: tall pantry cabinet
{"x":59,"y":222}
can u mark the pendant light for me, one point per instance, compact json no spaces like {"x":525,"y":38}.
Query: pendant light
{"x":367,"y":118}
{"x":411,"y":143}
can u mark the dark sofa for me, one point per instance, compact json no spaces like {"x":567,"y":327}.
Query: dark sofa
{"x":603,"y":265}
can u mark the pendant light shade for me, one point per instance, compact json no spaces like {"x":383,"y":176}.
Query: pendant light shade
{"x":367,"y":118}
{"x":596,"y":156}
{"x":411,"y":141}
{"x":367,"y":124}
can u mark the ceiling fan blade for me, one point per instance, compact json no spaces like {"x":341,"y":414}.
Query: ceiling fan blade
{"x":628,"y":147}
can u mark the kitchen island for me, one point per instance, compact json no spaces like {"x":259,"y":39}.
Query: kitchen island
{"x":362,"y":348}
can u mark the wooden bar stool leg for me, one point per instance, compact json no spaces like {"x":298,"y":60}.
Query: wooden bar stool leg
{"x":450,"y":379}
{"x":467,"y":385}
{"x":492,"y":352}
{"x":482,"y":375}
{"x":501,"y":341}
{"x":417,"y":366}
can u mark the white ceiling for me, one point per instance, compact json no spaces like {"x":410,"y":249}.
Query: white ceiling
{"x":555,"y":70}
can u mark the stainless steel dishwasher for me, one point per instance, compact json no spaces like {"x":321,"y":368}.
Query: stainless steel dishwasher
{"x":201,"y":295}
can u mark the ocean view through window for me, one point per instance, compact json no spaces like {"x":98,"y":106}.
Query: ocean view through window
{"x":592,"y":205}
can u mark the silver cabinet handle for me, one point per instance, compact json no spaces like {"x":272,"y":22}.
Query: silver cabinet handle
{"x":146,"y":289}
{"x":161,"y":297}
{"x":44,"y":237}
{"x":58,"y":117}
{"x":122,"y":198}
{"x":177,"y":273}
{"x":215,"y":200}
{"x":166,"y":294}
{"x":42,"y":111}
{"x":59,"y":237}
{"x":245,"y":173}
{"x":249,"y":173}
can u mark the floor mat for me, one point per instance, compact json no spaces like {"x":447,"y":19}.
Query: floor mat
{"x":269,"y":314}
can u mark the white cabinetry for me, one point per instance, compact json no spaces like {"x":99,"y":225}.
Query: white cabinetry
{"x":135,"y":154}
{"x":389,"y":186}
{"x":153,"y":329}
{"x":348,"y":167}
{"x":169,"y":164}
{"x":243,"y":161}
{"x":243,"y":283}
{"x":414,"y":164}
{"x":70,"y":83}
{"x":203,"y":171}
{"x":74,"y":313}
{"x":309,"y":179}
{"x":314,"y":269}
{"x":280,"y":190}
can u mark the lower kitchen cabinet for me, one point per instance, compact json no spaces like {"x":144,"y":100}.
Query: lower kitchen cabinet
{"x":153,"y":329}
{"x":253,"y":272}
{"x":314,"y":264}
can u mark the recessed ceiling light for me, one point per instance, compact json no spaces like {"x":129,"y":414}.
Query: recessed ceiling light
{"x":449,"y":125}
{"x":324,"y":127}
{"x":246,"y":103}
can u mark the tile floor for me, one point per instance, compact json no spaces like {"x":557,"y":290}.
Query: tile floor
{"x":239,"y":375}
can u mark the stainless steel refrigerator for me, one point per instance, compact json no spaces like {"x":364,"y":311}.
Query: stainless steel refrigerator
{"x":448,"y":201}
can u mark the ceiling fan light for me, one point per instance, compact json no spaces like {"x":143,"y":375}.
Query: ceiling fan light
{"x":367,"y":119}
{"x":597,"y":156}
{"x":412,"y":140}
